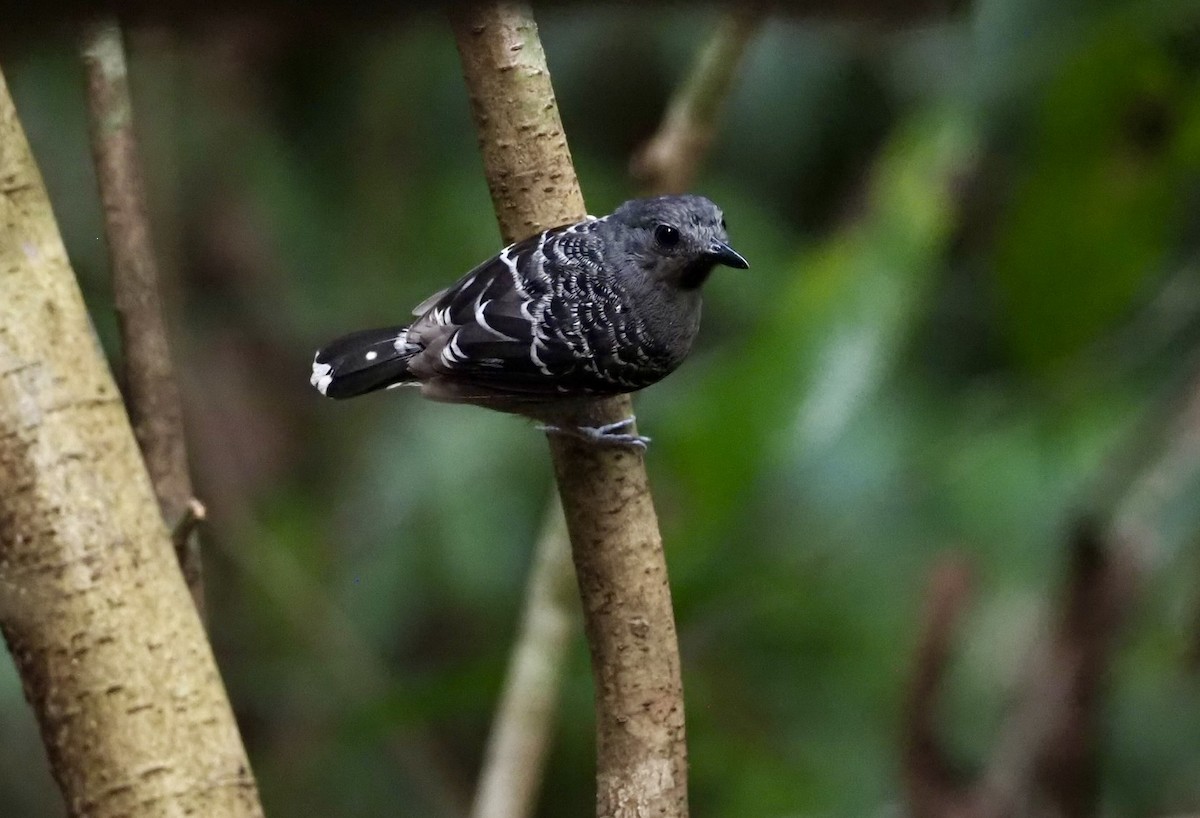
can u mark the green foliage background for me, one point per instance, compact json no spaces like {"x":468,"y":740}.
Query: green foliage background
{"x":974,"y":285}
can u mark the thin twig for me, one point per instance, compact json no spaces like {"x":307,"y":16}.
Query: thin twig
{"x":515,"y":757}
{"x":616,"y":545}
{"x":933,"y":787}
{"x":151,"y":391}
{"x":670,"y":159}
{"x":1104,"y":577}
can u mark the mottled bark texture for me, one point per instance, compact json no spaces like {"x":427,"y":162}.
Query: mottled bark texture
{"x":152,"y":396}
{"x":108,"y":644}
{"x":616,"y":545}
{"x":670,"y":159}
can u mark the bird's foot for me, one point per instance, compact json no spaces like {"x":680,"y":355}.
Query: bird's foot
{"x":610,"y":434}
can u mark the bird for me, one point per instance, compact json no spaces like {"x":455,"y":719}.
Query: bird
{"x":596,"y":308}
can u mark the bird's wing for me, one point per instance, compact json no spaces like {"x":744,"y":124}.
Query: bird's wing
{"x":524,"y":321}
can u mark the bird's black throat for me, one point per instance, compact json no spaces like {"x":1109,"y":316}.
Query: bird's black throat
{"x":696,"y":272}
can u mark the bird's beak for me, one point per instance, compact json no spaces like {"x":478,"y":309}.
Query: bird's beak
{"x":722,"y":253}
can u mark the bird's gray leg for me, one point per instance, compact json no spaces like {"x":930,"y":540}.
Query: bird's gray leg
{"x":610,"y":434}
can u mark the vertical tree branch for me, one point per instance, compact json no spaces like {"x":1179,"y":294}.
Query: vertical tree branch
{"x":110,"y":649}
{"x":153,"y":396}
{"x":520,"y":732}
{"x":616,"y":545}
{"x":669,"y":160}
{"x":516,"y":751}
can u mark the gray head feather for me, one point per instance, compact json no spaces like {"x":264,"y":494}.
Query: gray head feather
{"x":676,"y":240}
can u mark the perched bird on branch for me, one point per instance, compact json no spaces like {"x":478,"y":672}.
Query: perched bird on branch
{"x":597,"y":308}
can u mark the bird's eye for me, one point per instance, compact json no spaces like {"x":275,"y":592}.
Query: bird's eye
{"x":666,"y":235}
{"x":724,"y":226}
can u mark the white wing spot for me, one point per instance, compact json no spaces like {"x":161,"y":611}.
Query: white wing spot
{"x":372,"y":355}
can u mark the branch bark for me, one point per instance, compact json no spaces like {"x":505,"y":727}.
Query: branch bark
{"x":152,"y":393}
{"x":514,"y":761}
{"x":110,"y":649}
{"x":616,"y":545}
{"x":670,"y":159}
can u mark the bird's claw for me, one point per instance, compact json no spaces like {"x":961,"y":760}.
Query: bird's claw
{"x":610,"y":434}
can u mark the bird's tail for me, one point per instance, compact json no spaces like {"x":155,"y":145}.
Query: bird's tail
{"x":363,"y":362}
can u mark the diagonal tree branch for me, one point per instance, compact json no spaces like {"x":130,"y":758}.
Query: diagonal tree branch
{"x":111,"y":652}
{"x":616,"y":545}
{"x":670,"y":159}
{"x":152,"y":394}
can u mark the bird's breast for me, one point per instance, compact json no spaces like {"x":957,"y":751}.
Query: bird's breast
{"x":670,"y":322}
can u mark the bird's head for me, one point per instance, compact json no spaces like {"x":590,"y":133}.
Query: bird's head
{"x":677,"y":240}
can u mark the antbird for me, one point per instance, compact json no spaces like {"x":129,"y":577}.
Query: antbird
{"x":601,"y":307}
